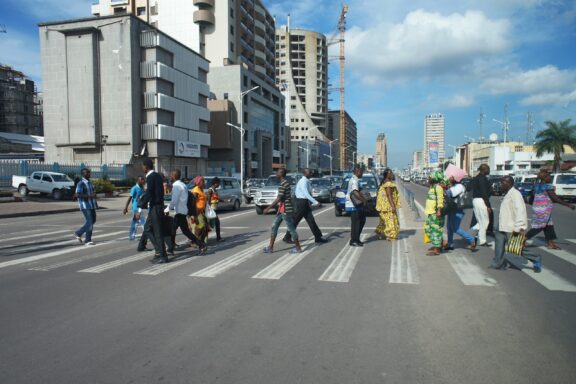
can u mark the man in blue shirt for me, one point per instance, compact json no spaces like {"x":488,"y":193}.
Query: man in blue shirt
{"x":303,"y":207}
{"x":137,"y":217}
{"x":87,"y":202}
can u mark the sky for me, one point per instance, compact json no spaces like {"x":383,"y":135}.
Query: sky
{"x":405,"y":59}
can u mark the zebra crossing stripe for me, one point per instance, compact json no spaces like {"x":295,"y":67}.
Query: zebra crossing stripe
{"x":561,"y":254}
{"x":50,"y":267}
{"x":341,"y":268}
{"x":117,"y":263}
{"x":468,"y":272}
{"x":551,"y":280}
{"x":32,"y":248}
{"x":285,"y":263}
{"x":30,"y":235}
{"x":403,"y":265}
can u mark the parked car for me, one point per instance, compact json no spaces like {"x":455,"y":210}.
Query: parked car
{"x":335,"y":180}
{"x":525,"y":179}
{"x":527,"y":191}
{"x":57,"y":185}
{"x":369,"y":187}
{"x":565,"y":184}
{"x":267,"y":194}
{"x":495,"y":184}
{"x":252,"y":186}
{"x":322,"y":190}
{"x":229,"y":192}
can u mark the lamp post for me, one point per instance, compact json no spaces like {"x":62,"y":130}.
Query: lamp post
{"x":330,"y":157}
{"x":241,"y":129}
{"x":330,"y":142}
{"x":505,"y":128}
{"x":307,"y":152}
{"x":103,"y":141}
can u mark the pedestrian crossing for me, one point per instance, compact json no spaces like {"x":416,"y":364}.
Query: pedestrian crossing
{"x":339,"y":265}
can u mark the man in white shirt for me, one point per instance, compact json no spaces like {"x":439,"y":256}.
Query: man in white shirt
{"x":513,"y":221}
{"x":179,"y":205}
{"x":303,"y":208}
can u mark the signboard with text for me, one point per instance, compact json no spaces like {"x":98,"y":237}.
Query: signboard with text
{"x":187,"y":149}
{"x":433,"y":149}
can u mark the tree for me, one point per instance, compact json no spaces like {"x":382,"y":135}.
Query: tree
{"x":554,"y":138}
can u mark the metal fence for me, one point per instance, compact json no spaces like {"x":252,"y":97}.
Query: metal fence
{"x":409,"y":197}
{"x":8,"y":168}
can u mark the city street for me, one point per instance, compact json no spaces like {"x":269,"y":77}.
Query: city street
{"x":384,"y":313}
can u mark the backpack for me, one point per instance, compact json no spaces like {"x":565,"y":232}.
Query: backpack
{"x":191,"y":204}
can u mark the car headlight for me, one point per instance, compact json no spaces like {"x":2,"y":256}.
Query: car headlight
{"x":373,"y":194}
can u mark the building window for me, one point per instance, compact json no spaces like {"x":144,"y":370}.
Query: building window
{"x":119,"y":10}
{"x":245,"y":81}
{"x":226,"y":96}
{"x":141,"y":11}
{"x":231,"y":47}
{"x":245,"y":117}
{"x":232,"y":30}
{"x":231,"y":13}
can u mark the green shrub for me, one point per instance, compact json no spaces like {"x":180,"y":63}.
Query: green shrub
{"x":103,"y":186}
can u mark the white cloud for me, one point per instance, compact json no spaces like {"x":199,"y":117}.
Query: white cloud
{"x":557,"y":98}
{"x":425,"y":43}
{"x":547,"y":79}
{"x":460,"y":101}
{"x":22,"y":53}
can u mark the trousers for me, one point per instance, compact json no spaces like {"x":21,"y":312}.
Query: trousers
{"x":481,"y":213}
{"x":304,"y":211}
{"x":357,"y":222}
{"x":501,"y":258}
{"x":153,"y":231}
{"x":454,"y":221}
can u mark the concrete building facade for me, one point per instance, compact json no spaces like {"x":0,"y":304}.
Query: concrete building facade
{"x":433,"y":140}
{"x":20,"y":104}
{"x":351,"y":139}
{"x":417,"y":161}
{"x":116,"y":89}
{"x":381,"y":158}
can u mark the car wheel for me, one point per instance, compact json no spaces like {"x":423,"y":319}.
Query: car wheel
{"x":57,"y":194}
{"x":337,"y":212}
{"x":236,"y":205}
{"x":259,"y":210}
{"x":23,"y":190}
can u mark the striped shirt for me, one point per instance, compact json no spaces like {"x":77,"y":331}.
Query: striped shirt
{"x":85,"y":187}
{"x":285,"y":194}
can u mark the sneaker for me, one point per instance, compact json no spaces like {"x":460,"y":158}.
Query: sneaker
{"x":537,"y":266}
{"x":321,"y":241}
{"x":90,"y":243}
{"x":295,"y":250}
{"x":131,"y":238}
{"x":78,"y":238}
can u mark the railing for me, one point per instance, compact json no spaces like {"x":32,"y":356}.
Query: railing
{"x":409,"y":197}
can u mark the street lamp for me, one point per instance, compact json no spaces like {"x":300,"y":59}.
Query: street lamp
{"x":505,"y":128}
{"x":307,"y":152}
{"x":103,"y":141}
{"x":241,"y":129}
{"x":330,"y":142}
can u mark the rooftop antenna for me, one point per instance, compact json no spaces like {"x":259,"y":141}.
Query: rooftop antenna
{"x":481,"y":124}
{"x":530,"y":129}
{"x":506,"y":125}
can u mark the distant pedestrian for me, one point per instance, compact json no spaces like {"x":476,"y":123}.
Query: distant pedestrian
{"x":213,"y":199}
{"x":137,"y":216}
{"x":88,"y":205}
{"x":153,"y":198}
{"x":356,"y":204}
{"x":284,"y":213}
{"x":387,"y":204}
{"x":456,"y":191}
{"x":512,"y":222}
{"x":303,"y":208}
{"x":179,"y":204}
{"x":200,"y":224}
{"x":544,"y":199}
{"x":434,"y":226}
{"x":481,"y":192}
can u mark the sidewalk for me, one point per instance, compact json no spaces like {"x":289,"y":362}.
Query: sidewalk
{"x":39,"y":206}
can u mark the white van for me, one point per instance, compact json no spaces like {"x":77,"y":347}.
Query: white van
{"x":565,"y":184}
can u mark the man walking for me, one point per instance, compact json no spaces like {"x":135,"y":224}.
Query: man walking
{"x":303,"y":208}
{"x":137,"y":217}
{"x":179,"y":204}
{"x":513,"y":221}
{"x":355,"y":204}
{"x":481,"y":192}
{"x":88,"y":205}
{"x":154,"y":199}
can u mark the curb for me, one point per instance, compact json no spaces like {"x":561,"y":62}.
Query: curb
{"x":41,"y":213}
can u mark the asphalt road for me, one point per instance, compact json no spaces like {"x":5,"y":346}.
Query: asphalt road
{"x":384,"y":313}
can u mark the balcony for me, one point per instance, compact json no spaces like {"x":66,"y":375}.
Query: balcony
{"x":208,"y":3}
{"x":202,"y":16}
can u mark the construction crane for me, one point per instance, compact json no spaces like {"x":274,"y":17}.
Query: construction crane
{"x":342,"y":114}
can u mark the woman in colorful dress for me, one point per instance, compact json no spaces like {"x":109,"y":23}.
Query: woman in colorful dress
{"x":434,"y":226}
{"x":200,"y":222}
{"x":387,"y":203}
{"x":214,"y":199}
{"x":544,"y":199}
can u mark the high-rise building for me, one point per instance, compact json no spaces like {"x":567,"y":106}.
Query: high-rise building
{"x":302,"y":71}
{"x":433,"y":152}
{"x":116,"y":89}
{"x":20,"y":104}
{"x":350,"y":142}
{"x":417,"y":163}
{"x":381,"y":151}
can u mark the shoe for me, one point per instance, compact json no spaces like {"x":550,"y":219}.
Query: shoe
{"x":267,"y":250}
{"x":288,"y":241}
{"x":321,"y":241}
{"x":448,"y":248}
{"x":537,"y":266}
{"x":220,"y":239}
{"x":486,"y":244}
{"x":78,"y":238}
{"x":202,"y":251}
{"x":295,"y":250}
{"x":355,"y":244}
{"x":132,"y":238}
{"x":361,"y":243}
{"x":90,"y":243}
{"x":159,"y":260}
{"x":143,"y":249}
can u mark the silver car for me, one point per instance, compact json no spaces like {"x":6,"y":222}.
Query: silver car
{"x":322,"y":190}
{"x":229,"y":192}
{"x":266,"y":195}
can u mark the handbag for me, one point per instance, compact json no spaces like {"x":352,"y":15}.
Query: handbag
{"x":209,"y":212}
{"x":515,"y":244}
{"x":358,"y":203}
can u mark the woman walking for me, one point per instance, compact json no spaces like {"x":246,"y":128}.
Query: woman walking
{"x":387,"y":203}
{"x":455,"y":217}
{"x":200,"y":222}
{"x":434,"y":226}
{"x":544,"y":199}
{"x":213,"y":199}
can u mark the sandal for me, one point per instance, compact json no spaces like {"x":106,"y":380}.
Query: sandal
{"x":268,"y":250}
{"x":435,"y":252}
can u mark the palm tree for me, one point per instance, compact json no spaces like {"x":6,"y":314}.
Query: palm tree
{"x":554,"y":138}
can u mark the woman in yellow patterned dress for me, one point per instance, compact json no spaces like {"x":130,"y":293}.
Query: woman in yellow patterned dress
{"x":387,"y":203}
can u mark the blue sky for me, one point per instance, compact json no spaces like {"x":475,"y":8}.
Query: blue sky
{"x":406,"y":59}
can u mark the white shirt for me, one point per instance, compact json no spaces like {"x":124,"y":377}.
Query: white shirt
{"x":456,"y":190}
{"x":513,"y":215}
{"x":304,"y":189}
{"x":179,"y":201}
{"x":353,"y":185}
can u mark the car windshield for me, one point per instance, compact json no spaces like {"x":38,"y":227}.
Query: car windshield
{"x":58,"y":178}
{"x":366,"y":182}
{"x":566,"y":179}
{"x":320,"y":183}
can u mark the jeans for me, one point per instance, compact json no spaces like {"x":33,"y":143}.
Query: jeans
{"x":454,"y":220}
{"x":289,"y":224}
{"x":134,"y":225}
{"x":153,"y":231}
{"x":502,"y":259}
{"x":304,"y":211}
{"x":357,"y":221}
{"x":90,"y":217}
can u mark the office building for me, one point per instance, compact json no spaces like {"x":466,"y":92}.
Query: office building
{"x":433,"y":140}
{"x":20,"y":104}
{"x":350,"y":142}
{"x":417,"y":161}
{"x":381,"y":158}
{"x":117,"y":89}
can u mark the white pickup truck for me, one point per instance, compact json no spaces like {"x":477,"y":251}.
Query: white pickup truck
{"x":57,"y":185}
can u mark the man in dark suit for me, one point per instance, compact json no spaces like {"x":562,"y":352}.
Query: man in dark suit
{"x":154,"y":199}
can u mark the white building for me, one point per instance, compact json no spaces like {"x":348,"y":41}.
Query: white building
{"x":433,"y":153}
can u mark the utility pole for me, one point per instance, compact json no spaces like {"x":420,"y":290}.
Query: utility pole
{"x":342,"y":114}
{"x":506,"y":125}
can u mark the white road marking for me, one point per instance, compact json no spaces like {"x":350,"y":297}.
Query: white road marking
{"x":117,"y":263}
{"x":29,"y":235}
{"x":17,"y":249}
{"x":551,"y":280}
{"x":468,"y":272}
{"x":222,"y":218}
{"x":231,"y":261}
{"x":573,"y":241}
{"x":420,"y":207}
{"x":341,"y":268}
{"x":161,"y":268}
{"x":561,"y":254}
{"x":403,"y":268}
{"x":322,"y":211}
{"x":285,"y":263}
{"x":50,"y":267}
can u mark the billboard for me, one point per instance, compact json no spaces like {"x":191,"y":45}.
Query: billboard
{"x":186,"y":149}
{"x":433,"y":150}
